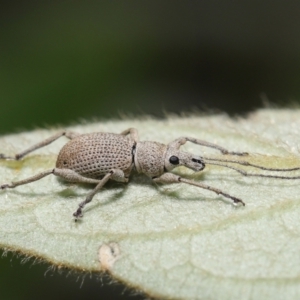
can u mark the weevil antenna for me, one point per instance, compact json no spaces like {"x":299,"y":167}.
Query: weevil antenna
{"x":245,"y":173}
{"x":246,"y":163}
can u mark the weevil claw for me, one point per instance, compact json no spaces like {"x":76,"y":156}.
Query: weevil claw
{"x":238,"y":201}
{"x":78,"y":214}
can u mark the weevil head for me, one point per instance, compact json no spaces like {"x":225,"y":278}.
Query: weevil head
{"x":175,"y":158}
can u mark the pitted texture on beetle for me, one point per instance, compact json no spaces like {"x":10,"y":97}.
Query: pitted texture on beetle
{"x":150,"y":158}
{"x":95,"y":154}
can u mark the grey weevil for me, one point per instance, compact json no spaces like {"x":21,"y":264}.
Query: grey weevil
{"x":97,"y":157}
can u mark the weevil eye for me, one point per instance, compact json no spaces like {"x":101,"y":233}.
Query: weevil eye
{"x":174,"y":160}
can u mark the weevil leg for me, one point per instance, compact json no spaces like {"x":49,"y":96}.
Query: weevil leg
{"x":133,"y":133}
{"x":182,"y":140}
{"x":18,"y":156}
{"x":72,"y":176}
{"x":172,"y":178}
{"x":66,"y":174}
{"x":27,"y":180}
{"x":117,"y":175}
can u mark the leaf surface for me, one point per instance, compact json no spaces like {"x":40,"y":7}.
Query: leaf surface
{"x":173,"y":241}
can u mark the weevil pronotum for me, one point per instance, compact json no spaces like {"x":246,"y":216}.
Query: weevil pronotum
{"x":97,"y":157}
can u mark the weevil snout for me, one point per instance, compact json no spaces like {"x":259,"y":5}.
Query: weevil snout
{"x":195,"y":163}
{"x":199,"y":164}
{"x":185,"y":159}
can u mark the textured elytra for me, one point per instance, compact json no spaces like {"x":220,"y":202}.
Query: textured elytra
{"x":96,"y":154}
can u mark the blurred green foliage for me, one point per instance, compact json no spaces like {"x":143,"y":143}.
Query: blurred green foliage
{"x":61,"y":61}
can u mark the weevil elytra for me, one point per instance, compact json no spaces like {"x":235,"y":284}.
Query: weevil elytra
{"x":98,"y":157}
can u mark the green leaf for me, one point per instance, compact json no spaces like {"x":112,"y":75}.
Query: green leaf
{"x":171,"y":241}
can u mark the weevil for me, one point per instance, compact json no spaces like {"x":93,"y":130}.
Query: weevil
{"x":98,"y":157}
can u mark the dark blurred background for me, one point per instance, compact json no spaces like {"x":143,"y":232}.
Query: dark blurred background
{"x":63,"y":61}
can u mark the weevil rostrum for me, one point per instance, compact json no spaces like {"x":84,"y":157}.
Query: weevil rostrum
{"x":98,"y":157}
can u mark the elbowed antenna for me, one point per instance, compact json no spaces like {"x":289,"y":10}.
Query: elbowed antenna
{"x":246,"y":163}
{"x":219,"y":162}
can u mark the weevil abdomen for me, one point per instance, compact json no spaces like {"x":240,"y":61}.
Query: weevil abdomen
{"x":96,"y":154}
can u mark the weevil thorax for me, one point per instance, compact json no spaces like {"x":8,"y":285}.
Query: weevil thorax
{"x":149,"y":158}
{"x":175,"y":158}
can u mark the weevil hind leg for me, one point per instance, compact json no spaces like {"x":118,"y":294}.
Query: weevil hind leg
{"x":66,"y":174}
{"x":69,"y":134}
{"x":172,"y":178}
{"x":72,"y":176}
{"x":27,"y":180}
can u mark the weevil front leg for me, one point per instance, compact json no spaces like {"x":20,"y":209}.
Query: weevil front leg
{"x":182,"y":140}
{"x":117,"y":175}
{"x":69,"y":134}
{"x":172,"y":178}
